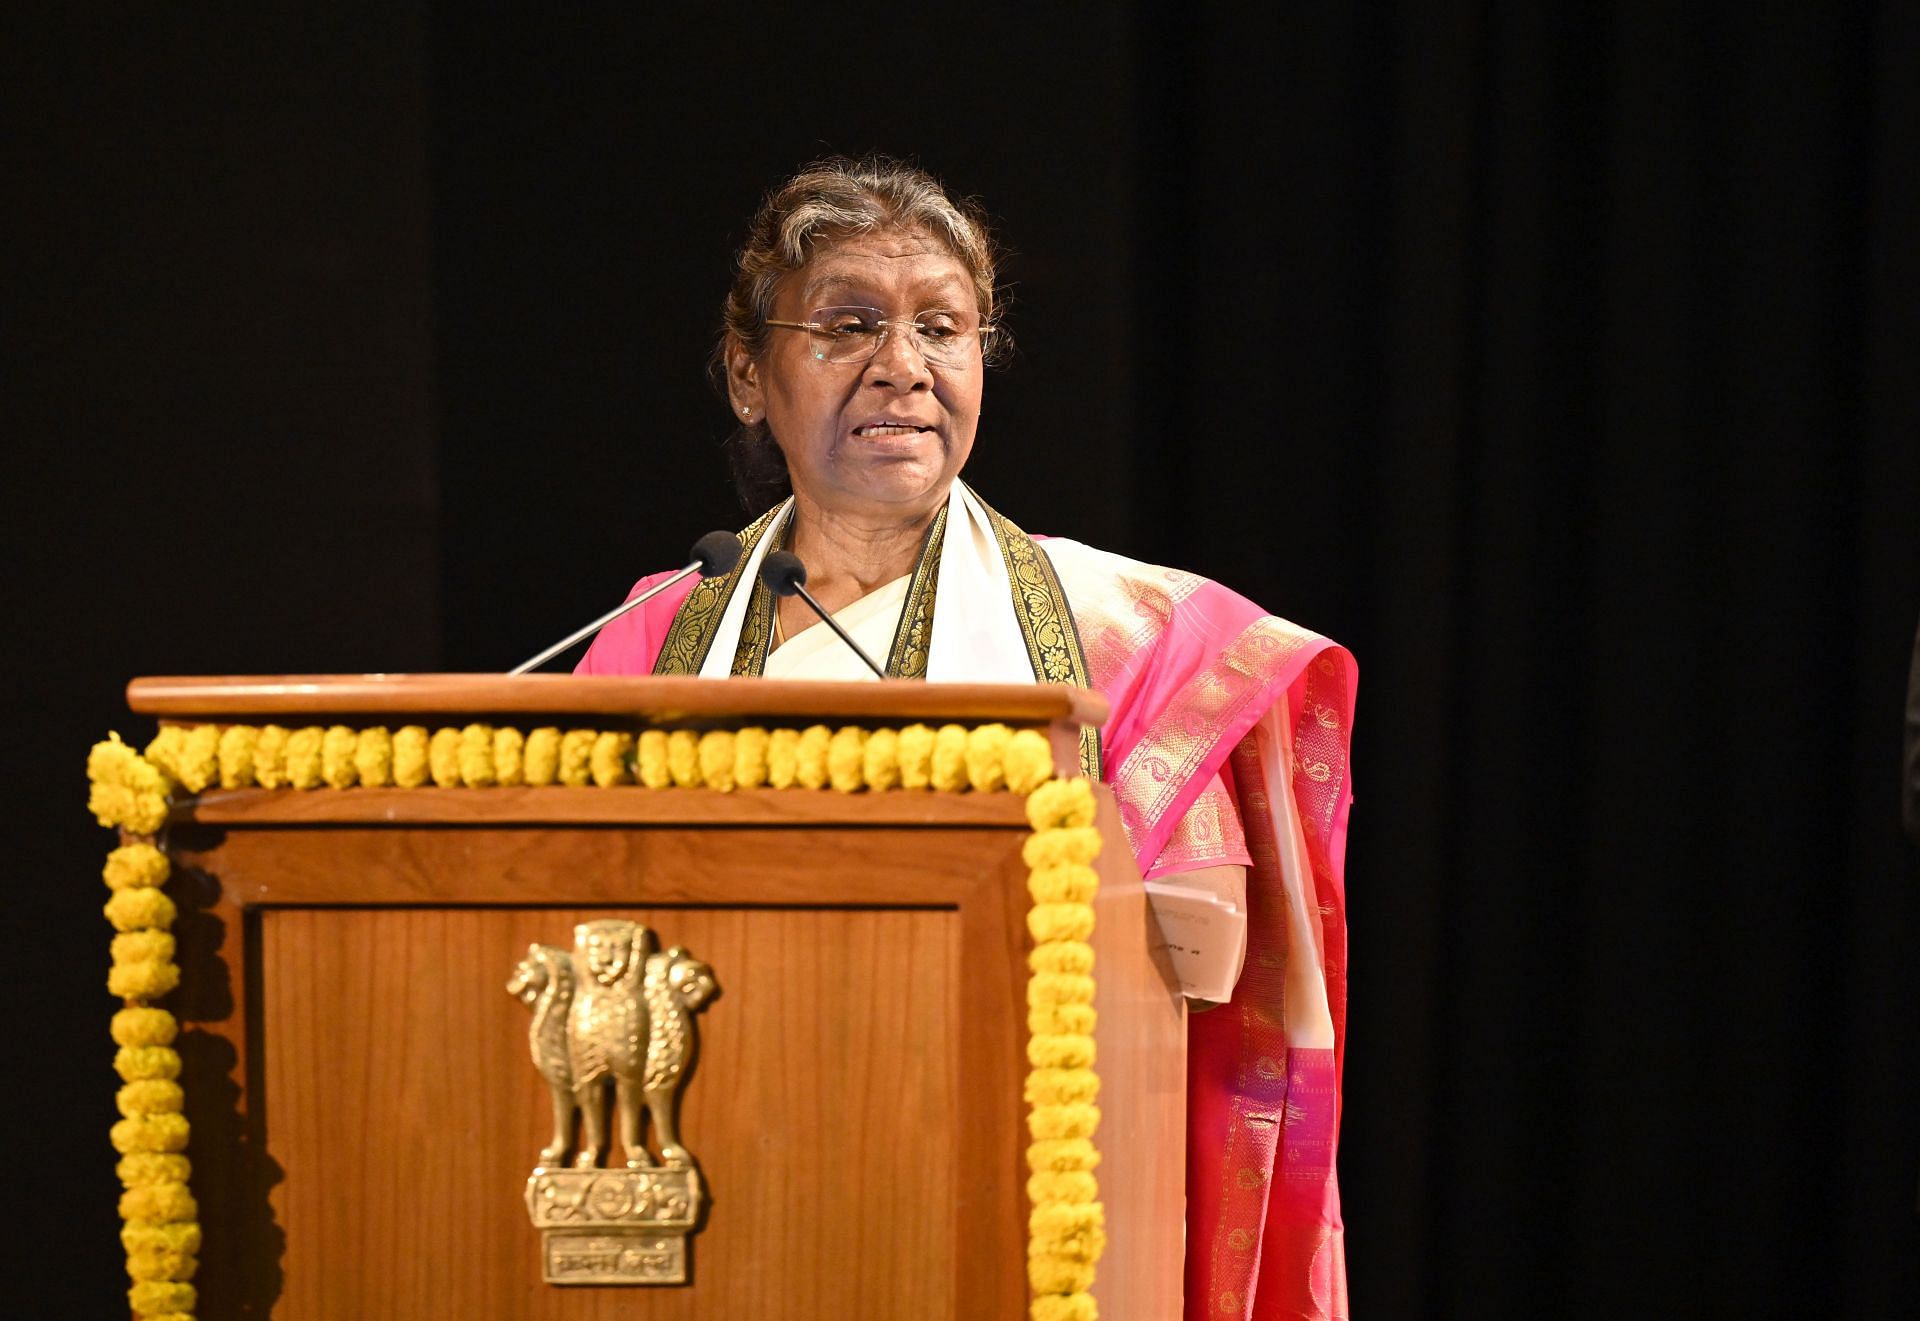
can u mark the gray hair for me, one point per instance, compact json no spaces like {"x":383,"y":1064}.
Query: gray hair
{"x":828,"y":200}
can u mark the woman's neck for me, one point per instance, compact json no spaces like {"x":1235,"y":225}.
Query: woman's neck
{"x":848,"y":556}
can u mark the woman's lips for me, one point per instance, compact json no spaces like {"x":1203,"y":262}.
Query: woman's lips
{"x":889,"y":429}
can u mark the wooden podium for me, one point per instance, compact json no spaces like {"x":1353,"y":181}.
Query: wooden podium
{"x":365,"y":1113}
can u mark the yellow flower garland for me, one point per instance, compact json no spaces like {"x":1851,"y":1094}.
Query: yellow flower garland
{"x":1066,"y":1230}
{"x":161,"y":1234}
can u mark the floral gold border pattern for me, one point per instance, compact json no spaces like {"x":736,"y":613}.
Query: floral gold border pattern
{"x":1039,"y":601}
{"x":1046,"y":621}
{"x":913,"y":639}
{"x":135,"y":791}
{"x":690,"y":637}
{"x":907,"y":657}
{"x":756,"y":630}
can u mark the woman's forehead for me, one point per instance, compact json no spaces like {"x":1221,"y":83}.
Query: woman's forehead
{"x":890,"y":264}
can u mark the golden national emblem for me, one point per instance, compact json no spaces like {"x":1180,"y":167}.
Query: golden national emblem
{"x":613,"y":1022}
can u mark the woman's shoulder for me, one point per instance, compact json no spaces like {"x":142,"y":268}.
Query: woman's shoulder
{"x":1134,"y":617}
{"x":630,"y":643}
{"x":1094,"y":568}
{"x":1103,"y":582}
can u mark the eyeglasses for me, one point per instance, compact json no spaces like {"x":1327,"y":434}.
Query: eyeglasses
{"x":945,"y":337}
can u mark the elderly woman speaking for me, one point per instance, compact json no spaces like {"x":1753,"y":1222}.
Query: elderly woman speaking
{"x":858,"y":329}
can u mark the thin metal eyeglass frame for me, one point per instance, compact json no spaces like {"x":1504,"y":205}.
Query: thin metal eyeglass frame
{"x":886,"y":327}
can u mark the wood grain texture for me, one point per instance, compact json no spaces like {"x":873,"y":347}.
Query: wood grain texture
{"x":370,"y":866}
{"x":622,"y":804}
{"x":345,"y":988}
{"x":822,"y":1112}
{"x":1142,"y":1044}
{"x":219,"y":964}
{"x":448,"y":698}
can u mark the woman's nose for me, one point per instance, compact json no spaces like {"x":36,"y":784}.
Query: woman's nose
{"x":898,"y":361}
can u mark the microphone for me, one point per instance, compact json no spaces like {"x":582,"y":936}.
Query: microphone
{"x":785,"y":575}
{"x":717,"y":552}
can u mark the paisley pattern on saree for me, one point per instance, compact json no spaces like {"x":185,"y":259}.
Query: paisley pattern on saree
{"x":1121,"y":613}
{"x":1320,"y":751}
{"x":1256,"y":1114}
{"x":1320,"y":743}
{"x":1208,"y":833}
{"x":690,"y":637}
{"x":1276,"y":1172}
{"x":1170,"y":754}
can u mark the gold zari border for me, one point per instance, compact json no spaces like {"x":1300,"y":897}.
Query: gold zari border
{"x":913,"y":635}
{"x":690,"y":636}
{"x":1046,"y":621}
{"x":1039,"y":602}
{"x":913,"y":639}
{"x":1167,"y":756}
{"x":756,"y":630}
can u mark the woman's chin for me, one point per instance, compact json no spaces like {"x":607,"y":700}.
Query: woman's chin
{"x":894,"y":486}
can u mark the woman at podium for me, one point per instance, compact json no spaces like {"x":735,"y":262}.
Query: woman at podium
{"x":858,"y":327}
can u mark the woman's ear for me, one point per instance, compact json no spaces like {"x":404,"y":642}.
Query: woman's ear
{"x":743,"y":384}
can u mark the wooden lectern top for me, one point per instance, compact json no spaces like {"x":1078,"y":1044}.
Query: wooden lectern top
{"x":642,"y":698}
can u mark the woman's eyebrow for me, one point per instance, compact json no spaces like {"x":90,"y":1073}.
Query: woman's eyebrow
{"x":831,"y":284}
{"x":839,"y":285}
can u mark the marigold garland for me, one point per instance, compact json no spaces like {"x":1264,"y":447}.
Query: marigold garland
{"x":338,"y":767}
{"x":237,"y":746}
{"x":509,"y":757}
{"x":717,"y":759}
{"x":134,"y":1063}
{"x":540,"y":758}
{"x":269,"y":758}
{"x":305,"y":753}
{"x":135,"y":867}
{"x":136,"y":910}
{"x":783,"y":757}
{"x":476,"y":757}
{"x":847,"y":759}
{"x":131,"y":789}
{"x":880,"y":760}
{"x":916,"y":757}
{"x":443,"y":757}
{"x":161,"y":1235}
{"x":810,"y":757}
{"x":750,"y":747}
{"x":1066,"y":1232}
{"x":576,"y":750}
{"x":683,"y":758}
{"x":372,"y":757}
{"x":125,"y":789}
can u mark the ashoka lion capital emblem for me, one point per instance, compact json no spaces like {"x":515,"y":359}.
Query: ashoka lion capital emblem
{"x":614,"y":1016}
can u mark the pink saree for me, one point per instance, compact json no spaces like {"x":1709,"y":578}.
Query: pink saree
{"x":1205,"y":684}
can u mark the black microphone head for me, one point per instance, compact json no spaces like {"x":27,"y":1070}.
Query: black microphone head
{"x":783,"y":573}
{"x":717,"y":552}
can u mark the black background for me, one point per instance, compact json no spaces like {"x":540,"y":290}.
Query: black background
{"x":1558,"y":360}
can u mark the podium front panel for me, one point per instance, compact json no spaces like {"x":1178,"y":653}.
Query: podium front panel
{"x":854,"y":1109}
{"x":366,"y":1110}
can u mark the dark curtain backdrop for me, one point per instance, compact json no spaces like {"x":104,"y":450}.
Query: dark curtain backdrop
{"x":1558,"y":361}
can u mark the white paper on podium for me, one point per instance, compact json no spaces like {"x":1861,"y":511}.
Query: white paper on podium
{"x":1204,"y":932}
